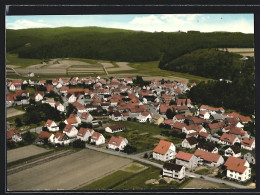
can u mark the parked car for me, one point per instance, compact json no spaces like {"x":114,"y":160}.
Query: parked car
{"x":201,"y":177}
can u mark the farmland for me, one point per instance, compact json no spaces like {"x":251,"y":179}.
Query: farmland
{"x":77,"y":169}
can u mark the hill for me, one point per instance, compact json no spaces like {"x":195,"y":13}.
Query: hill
{"x":116,"y":44}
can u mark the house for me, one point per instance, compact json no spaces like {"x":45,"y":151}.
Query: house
{"x":59,"y":107}
{"x":84,"y":133}
{"x":212,"y":110}
{"x":97,"y":138}
{"x":250,"y":157}
{"x":190,"y":142}
{"x":61,"y":138}
{"x":49,"y":101}
{"x":80,"y":108}
{"x":157,"y":119}
{"x":208,"y":158}
{"x":181,"y":102}
{"x":117,"y":116}
{"x":144,"y":117}
{"x":204,"y":114}
{"x":164,"y":151}
{"x":73,"y":119}
{"x":248,"y":143}
{"x":70,"y":131}
{"x":239,"y":133}
{"x":186,"y":159}
{"x":177,"y":126}
{"x":115,"y":128}
{"x":178,"y":118}
{"x":228,"y":139}
{"x":43,"y":137}
{"x":13,"y":136}
{"x":10,"y":98}
{"x":51,"y":125}
{"x":237,"y":169}
{"x":215,"y":127}
{"x":117,"y":142}
{"x":86,"y":117}
{"x":30,"y":74}
{"x":71,"y":98}
{"x":233,"y":151}
{"x":208,"y":146}
{"x":39,"y":96}
{"x":173,"y":170}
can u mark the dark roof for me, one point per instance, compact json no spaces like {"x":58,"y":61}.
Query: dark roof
{"x":192,"y":140}
{"x":209,"y":146}
{"x":172,"y":166}
{"x":235,"y":148}
{"x":117,"y":126}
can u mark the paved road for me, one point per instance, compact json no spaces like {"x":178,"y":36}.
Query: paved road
{"x":139,"y":158}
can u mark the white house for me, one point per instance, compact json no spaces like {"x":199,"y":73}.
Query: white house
{"x":233,"y":151}
{"x":144,"y":117}
{"x":97,"y":138}
{"x":71,"y":98}
{"x":248,"y":143}
{"x":117,"y":142}
{"x":173,"y":170}
{"x":228,"y":139}
{"x":70,"y":130}
{"x":13,"y":136}
{"x":178,"y":118}
{"x":51,"y":125}
{"x":39,"y":96}
{"x":86,"y":117}
{"x":73,"y":119}
{"x":190,"y":142}
{"x":238,"y":169}
{"x":164,"y":151}
{"x":59,"y":107}
{"x":61,"y":138}
{"x":186,"y":159}
{"x":208,"y":158}
{"x":204,"y":114}
{"x":84,"y":133}
{"x":117,"y":116}
{"x":115,"y":128}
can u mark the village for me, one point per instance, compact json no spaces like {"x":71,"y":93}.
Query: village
{"x":95,"y":111}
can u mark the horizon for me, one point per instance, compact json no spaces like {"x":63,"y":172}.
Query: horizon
{"x":243,"y":23}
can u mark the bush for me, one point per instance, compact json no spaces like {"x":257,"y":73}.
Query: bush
{"x":129,"y":149}
{"x":117,"y":149}
{"x":162,"y":181}
{"x":145,"y":155}
{"x":78,"y":144}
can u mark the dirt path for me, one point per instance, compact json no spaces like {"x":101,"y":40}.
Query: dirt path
{"x":13,"y":112}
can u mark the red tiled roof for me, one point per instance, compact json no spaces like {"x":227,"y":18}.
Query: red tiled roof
{"x":179,"y":116}
{"x":168,"y":122}
{"x":85,"y":115}
{"x":179,"y":125}
{"x":235,"y":164}
{"x":116,"y":140}
{"x":211,"y":108}
{"x":78,"y":106}
{"x":10,"y":133}
{"x":48,"y":123}
{"x":162,"y":147}
{"x":236,"y":131}
{"x":82,"y":131}
{"x":247,"y":142}
{"x":216,"y":125}
{"x":207,"y":156}
{"x":68,"y":128}
{"x":95,"y":136}
{"x":227,"y":137}
{"x":203,"y":134}
{"x":184,"y":156}
{"x":44,"y":135}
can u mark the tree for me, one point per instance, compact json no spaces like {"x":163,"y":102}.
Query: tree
{"x":70,"y":108}
{"x":44,"y":129}
{"x":169,"y":113}
{"x":172,"y":102}
{"x":78,"y":144}
{"x":129,"y":149}
{"x":62,"y":125}
{"x":18,"y":122}
{"x":145,"y":155}
{"x":29,"y":137}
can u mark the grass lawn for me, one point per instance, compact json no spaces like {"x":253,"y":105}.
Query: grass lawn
{"x":141,"y":135}
{"x":122,"y":180}
{"x":13,"y":59}
{"x":134,"y":167}
{"x":152,"y":68}
{"x":202,"y":171}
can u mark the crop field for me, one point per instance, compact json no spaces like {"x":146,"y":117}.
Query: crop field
{"x":67,"y":173}
{"x":241,"y":51}
{"x":24,"y":152}
{"x":13,"y":112}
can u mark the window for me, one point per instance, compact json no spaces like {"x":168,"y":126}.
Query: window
{"x":239,"y":178}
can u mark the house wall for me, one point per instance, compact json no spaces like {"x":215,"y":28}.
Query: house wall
{"x":174,"y":174}
{"x":185,"y":144}
{"x":238,"y":176}
{"x":188,"y":164}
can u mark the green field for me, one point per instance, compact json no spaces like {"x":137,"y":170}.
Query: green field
{"x":141,"y":135}
{"x":13,"y":59}
{"x":122,"y":180}
{"x":151,"y":68}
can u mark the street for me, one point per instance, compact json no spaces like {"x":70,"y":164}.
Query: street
{"x":139,"y":158}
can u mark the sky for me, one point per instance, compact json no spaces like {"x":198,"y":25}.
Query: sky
{"x":141,"y":22}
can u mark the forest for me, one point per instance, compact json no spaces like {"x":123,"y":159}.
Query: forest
{"x":117,"y":44}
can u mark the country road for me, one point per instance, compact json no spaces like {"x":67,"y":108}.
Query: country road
{"x":190,"y":174}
